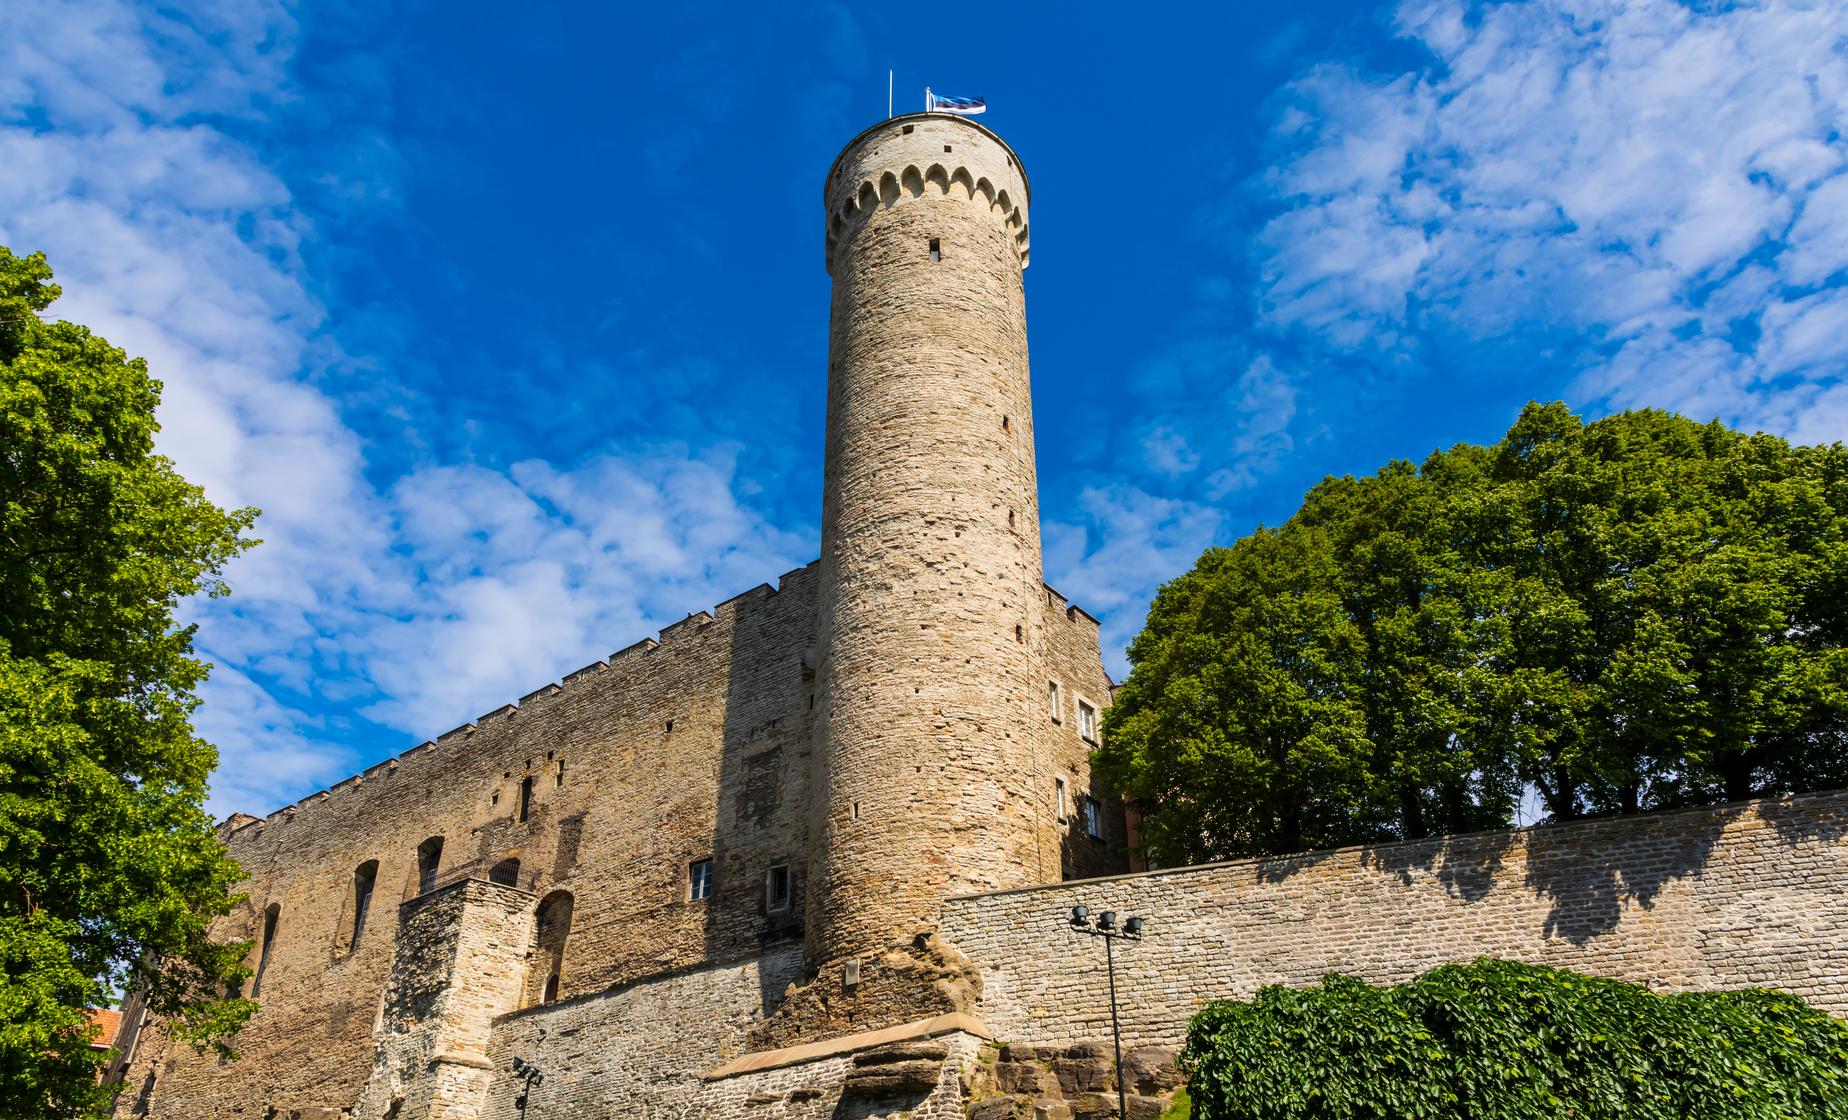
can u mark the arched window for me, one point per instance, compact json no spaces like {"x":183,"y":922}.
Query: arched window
{"x":429,"y":858}
{"x":553,"y":928}
{"x":269,"y":939}
{"x":365,"y":876}
{"x":506,"y":873}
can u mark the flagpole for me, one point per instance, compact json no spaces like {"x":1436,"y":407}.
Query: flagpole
{"x":888,"y":95}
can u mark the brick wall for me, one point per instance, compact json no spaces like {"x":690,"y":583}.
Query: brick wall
{"x":1754,"y":894}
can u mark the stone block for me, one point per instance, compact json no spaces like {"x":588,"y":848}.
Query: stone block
{"x":1151,"y":1070}
{"x":1051,"y":1110}
{"x":1030,"y":1078}
{"x":1087,"y":1067}
{"x":1145,"y":1108}
{"x":919,"y":1050}
{"x":1001,"y":1108}
{"x":894,"y":1079}
{"x":1093,"y":1106}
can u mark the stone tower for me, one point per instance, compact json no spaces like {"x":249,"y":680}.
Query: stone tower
{"x":931,"y":602}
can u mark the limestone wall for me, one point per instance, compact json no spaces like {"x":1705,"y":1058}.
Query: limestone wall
{"x":931,"y":620}
{"x":639,"y":1050}
{"x":694,"y":747}
{"x":1754,"y":894}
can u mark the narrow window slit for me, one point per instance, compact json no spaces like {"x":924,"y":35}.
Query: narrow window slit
{"x":936,"y":250}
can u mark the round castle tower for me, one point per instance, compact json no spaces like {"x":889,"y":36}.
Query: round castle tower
{"x":931,"y":601}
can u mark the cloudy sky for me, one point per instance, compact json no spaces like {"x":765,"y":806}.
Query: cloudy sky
{"x":513,"y":320}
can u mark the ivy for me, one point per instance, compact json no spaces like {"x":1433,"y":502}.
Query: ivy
{"x":1500,"y":1040}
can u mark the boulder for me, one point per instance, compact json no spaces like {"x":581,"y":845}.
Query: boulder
{"x":1031,"y":1078}
{"x":1087,"y":1067}
{"x":1151,"y":1071}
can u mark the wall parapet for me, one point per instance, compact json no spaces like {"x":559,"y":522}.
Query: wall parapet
{"x":667,"y":638}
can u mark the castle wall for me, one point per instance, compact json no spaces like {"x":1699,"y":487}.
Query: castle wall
{"x":698,"y":747}
{"x":1753,"y":894}
{"x":636,"y":1051}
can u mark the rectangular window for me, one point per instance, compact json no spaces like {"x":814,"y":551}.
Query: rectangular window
{"x":1093,"y":818}
{"x":936,"y":250}
{"x":1087,"y":722}
{"x":699,"y":880}
{"x":1065,"y":804}
{"x":526,"y":798}
{"x":1052,"y":700}
{"x":776,"y":889}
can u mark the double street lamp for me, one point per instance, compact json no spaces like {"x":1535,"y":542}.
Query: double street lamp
{"x":1106,"y":927}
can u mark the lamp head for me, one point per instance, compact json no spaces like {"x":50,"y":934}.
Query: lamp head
{"x":1081,"y":917}
{"x":1107,"y":920}
{"x":519,"y":1065}
{"x":1132,"y":926}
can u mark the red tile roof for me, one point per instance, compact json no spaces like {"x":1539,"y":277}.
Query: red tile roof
{"x":109,"y":1021}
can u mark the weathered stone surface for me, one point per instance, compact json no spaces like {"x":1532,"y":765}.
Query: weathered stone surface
{"x":894,"y":1078}
{"x":1145,"y":1108}
{"x":1032,"y":1078}
{"x":1089,"y":1105}
{"x":1085,"y":1067}
{"x":923,"y":1049}
{"x":1001,"y":1108}
{"x":1152,"y":1070}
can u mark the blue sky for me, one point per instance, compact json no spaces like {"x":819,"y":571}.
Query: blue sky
{"x":513,"y":320}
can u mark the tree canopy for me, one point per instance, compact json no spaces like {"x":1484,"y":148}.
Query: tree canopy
{"x":1640,"y":612}
{"x":1497,"y":1040}
{"x":111,"y":870}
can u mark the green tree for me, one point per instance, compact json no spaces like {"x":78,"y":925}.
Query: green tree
{"x":1635,"y":613}
{"x":111,"y":868}
{"x":1498,"y":1040}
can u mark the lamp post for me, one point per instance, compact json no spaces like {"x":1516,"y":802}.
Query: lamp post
{"x":529,"y":1076}
{"x":1106,"y":927}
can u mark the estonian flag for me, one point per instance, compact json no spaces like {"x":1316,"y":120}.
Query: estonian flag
{"x":961,"y":106}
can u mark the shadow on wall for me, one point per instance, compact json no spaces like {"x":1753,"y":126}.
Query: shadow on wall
{"x":1588,"y":869}
{"x":759,"y":844}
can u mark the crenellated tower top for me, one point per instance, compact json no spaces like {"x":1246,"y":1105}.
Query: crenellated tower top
{"x":902,"y":158}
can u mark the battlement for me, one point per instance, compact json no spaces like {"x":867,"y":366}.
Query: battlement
{"x":670,"y":639}
{"x":905,"y":157}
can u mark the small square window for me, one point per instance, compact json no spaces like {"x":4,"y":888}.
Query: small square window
{"x":1093,"y":818}
{"x":1087,"y":722}
{"x":1065,"y":804}
{"x":776,"y":889}
{"x":699,"y":880}
{"x":1052,"y":701}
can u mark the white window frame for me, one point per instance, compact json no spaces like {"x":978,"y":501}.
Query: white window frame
{"x":1093,"y":817}
{"x":1055,"y":699}
{"x":699,"y":880}
{"x":1087,"y":728}
{"x":770,"y":903}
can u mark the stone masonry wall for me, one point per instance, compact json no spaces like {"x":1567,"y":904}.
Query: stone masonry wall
{"x":1754,"y":894}
{"x":638,"y":1050}
{"x":694,"y":747}
{"x":930,"y":613}
{"x":459,"y":965}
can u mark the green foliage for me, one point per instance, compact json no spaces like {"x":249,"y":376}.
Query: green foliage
{"x":111,"y":871}
{"x":1636,"y":613}
{"x":1180,"y":1108}
{"x":1498,"y":1040}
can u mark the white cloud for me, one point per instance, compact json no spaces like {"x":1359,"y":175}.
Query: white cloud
{"x":1657,"y":184}
{"x":1125,"y":544}
{"x":455,"y":589}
